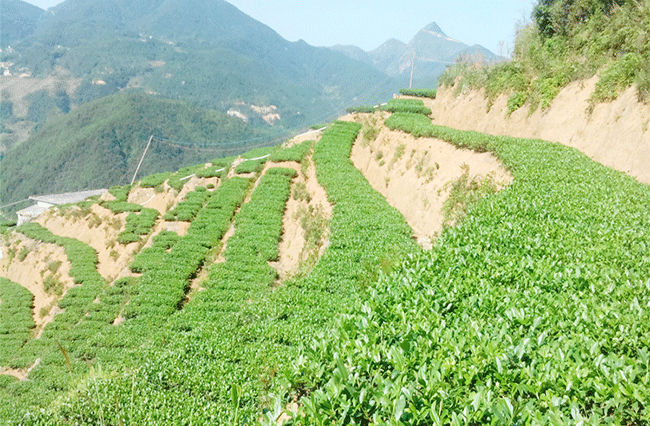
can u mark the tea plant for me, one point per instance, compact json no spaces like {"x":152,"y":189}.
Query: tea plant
{"x":186,"y":210}
{"x":415,"y":106}
{"x":180,"y":178}
{"x":420,"y":93}
{"x":534,"y":310}
{"x":295,"y":153}
{"x":138,"y":225}
{"x":154,"y":180}
{"x":151,"y":257}
{"x":16,"y":320}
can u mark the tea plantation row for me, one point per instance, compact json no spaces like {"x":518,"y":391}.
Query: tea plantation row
{"x":534,"y":311}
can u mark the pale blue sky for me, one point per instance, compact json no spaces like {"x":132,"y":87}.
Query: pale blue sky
{"x":368,"y":23}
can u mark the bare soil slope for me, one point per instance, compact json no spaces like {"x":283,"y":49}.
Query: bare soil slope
{"x":99,"y":229}
{"x":415,"y":174}
{"x":616,"y":134}
{"x":43,"y":270}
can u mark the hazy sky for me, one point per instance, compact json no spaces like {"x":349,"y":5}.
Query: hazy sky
{"x":368,"y":23}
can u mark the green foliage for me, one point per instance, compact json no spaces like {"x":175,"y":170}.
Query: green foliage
{"x":6,"y":224}
{"x":162,"y":290}
{"x":529,"y":312}
{"x":180,"y":178}
{"x":121,"y":193}
{"x":138,"y":224}
{"x":16,"y":320}
{"x":253,"y":165}
{"x":364,"y":109}
{"x":118,"y":207}
{"x":212,"y":171}
{"x":218,"y":58}
{"x":225,"y":162}
{"x":367,"y":227}
{"x":516,"y":101}
{"x":420,"y":93}
{"x":187,"y":209}
{"x":40,"y":106}
{"x":100,"y":143}
{"x":6,"y":110}
{"x":370,"y":131}
{"x":559,"y":17}
{"x":619,"y":75}
{"x":240,"y":331}
{"x":22,"y":254}
{"x":420,"y":126}
{"x":76,"y":304}
{"x":151,"y":257}
{"x":295,"y":153}
{"x":569,"y":40}
{"x":463,"y":193}
{"x":415,"y":106}
{"x":154,"y":180}
{"x":62,"y":101}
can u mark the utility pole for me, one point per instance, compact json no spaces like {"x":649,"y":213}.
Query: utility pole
{"x":140,"y":163}
{"x":412,"y":66}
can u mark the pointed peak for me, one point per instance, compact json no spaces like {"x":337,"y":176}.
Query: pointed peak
{"x":434,"y":28}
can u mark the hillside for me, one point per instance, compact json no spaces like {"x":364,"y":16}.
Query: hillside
{"x":281,"y":281}
{"x":613,"y":133}
{"x":567,"y":42}
{"x":384,"y":270}
{"x":100,"y":144}
{"x":17,"y":20}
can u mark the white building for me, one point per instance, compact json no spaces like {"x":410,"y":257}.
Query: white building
{"x":45,"y":202}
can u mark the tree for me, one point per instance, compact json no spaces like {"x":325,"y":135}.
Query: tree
{"x":62,"y":101}
{"x":558,"y":16}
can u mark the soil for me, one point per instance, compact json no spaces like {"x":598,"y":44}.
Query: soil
{"x":616,"y":134}
{"x":32,"y":272}
{"x":417,"y":182}
{"x":20,"y":374}
{"x":292,"y":250}
{"x":149,"y":198}
{"x":98,"y":229}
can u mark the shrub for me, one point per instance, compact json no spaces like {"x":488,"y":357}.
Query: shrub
{"x":420,"y":93}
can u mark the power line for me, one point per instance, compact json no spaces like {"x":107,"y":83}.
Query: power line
{"x":13,"y":204}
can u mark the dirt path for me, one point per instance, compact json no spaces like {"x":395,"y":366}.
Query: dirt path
{"x":414,"y":174}
{"x":616,"y":134}
{"x":20,"y":374}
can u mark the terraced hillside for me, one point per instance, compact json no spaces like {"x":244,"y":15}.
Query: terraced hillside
{"x":287,"y":286}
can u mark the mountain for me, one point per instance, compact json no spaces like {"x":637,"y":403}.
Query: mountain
{"x":431,"y":48}
{"x":385,"y":55}
{"x":206,"y":53}
{"x":203,"y":51}
{"x":354,"y":52}
{"x":100,"y":143}
{"x":18,"y":20}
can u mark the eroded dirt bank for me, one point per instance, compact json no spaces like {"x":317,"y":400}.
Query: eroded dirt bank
{"x":616,"y":134}
{"x":415,"y":175}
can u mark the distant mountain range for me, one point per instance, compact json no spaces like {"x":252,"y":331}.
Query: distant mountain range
{"x":431,"y":49}
{"x":206,"y":52}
